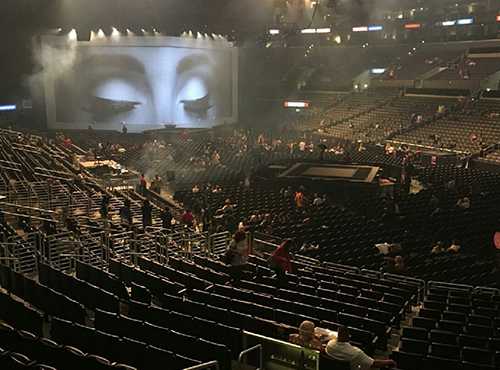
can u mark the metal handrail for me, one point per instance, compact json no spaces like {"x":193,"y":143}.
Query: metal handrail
{"x":206,"y":365}
{"x":251,"y":349}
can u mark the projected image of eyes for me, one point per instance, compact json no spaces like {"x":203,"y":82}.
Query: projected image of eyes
{"x":194,"y":88}
{"x":116,"y":89}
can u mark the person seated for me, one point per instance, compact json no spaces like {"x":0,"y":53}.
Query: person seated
{"x":455,"y":247}
{"x":306,"y":337}
{"x":438,"y":248}
{"x":340,"y":349}
{"x":463,"y":203}
{"x":399,"y":265}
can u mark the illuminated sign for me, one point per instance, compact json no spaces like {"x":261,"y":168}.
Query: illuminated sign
{"x":296,"y":104}
{"x":412,"y":26}
{"x":448,"y":23}
{"x":9,"y":107}
{"x":360,"y":29}
{"x":316,"y":30}
{"x":375,"y":27}
{"x":465,"y":21}
{"x":498,"y":18}
{"x":274,"y":32}
{"x":377,"y":71}
{"x":323,"y":30}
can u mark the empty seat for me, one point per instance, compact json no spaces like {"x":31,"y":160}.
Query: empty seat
{"x":414,"y":333}
{"x":414,"y":346}
{"x":479,"y":330}
{"x":430,"y":313}
{"x":423,"y":322}
{"x":444,"y":337}
{"x":140,"y":293}
{"x":438,"y":363}
{"x":465,"y":340}
{"x":452,"y":326}
{"x":477,"y":356}
{"x":407,"y":361}
{"x":445,"y":351}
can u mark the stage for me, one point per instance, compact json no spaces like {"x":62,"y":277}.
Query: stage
{"x":342,"y":181}
{"x":331,"y":172}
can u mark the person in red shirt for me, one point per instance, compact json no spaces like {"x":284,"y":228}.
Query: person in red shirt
{"x":281,"y":261}
{"x":187,"y":218}
{"x":67,"y":142}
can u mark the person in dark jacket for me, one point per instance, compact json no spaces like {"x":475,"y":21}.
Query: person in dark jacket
{"x":126,"y":213}
{"x":166,"y":218}
{"x":147,"y":213}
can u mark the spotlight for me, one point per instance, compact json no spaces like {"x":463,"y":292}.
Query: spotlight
{"x":190,"y":34}
{"x":93,"y":35}
{"x":72,"y":35}
{"x":100,"y":34}
{"x":130,"y":33}
{"x":199,"y":35}
{"x":114,"y":32}
{"x":184,"y":34}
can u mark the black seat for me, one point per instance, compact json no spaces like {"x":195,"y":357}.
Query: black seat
{"x":61,"y":330}
{"x":445,"y":351}
{"x":454,"y":316}
{"x":430,"y":313}
{"x":140,"y":293}
{"x":452,"y":326}
{"x":132,"y":352}
{"x":154,"y":356}
{"x":437,"y":363}
{"x":465,"y":340}
{"x":106,"y":345}
{"x":477,"y":356}
{"x":407,"y":361}
{"x":424,"y":322}
{"x":328,"y":362}
{"x":444,"y":337}
{"x":479,"y":330}
{"x":414,"y":346}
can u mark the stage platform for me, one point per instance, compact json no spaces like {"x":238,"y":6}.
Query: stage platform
{"x":331,"y":172}
{"x":342,"y":181}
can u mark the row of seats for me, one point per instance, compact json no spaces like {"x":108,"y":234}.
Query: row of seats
{"x":29,"y":351}
{"x":127,"y":350}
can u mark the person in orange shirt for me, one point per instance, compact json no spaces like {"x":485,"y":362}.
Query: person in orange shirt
{"x":299,"y":199}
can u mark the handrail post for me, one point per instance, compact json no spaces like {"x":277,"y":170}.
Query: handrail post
{"x":251,"y":349}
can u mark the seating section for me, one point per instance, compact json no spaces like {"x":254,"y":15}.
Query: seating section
{"x":81,"y":288}
{"x":388,"y":118}
{"x":470,"y":132}
{"x":25,"y":350}
{"x":455,"y":328}
{"x":469,"y":69}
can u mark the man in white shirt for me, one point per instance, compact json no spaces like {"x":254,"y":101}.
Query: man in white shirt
{"x":340,"y":349}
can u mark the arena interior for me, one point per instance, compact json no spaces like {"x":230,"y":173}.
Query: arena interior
{"x":250,"y":184}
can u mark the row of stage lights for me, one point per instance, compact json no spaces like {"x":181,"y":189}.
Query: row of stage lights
{"x":116,"y":34}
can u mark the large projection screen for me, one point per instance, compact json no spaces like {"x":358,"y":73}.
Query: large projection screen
{"x":146,"y":82}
